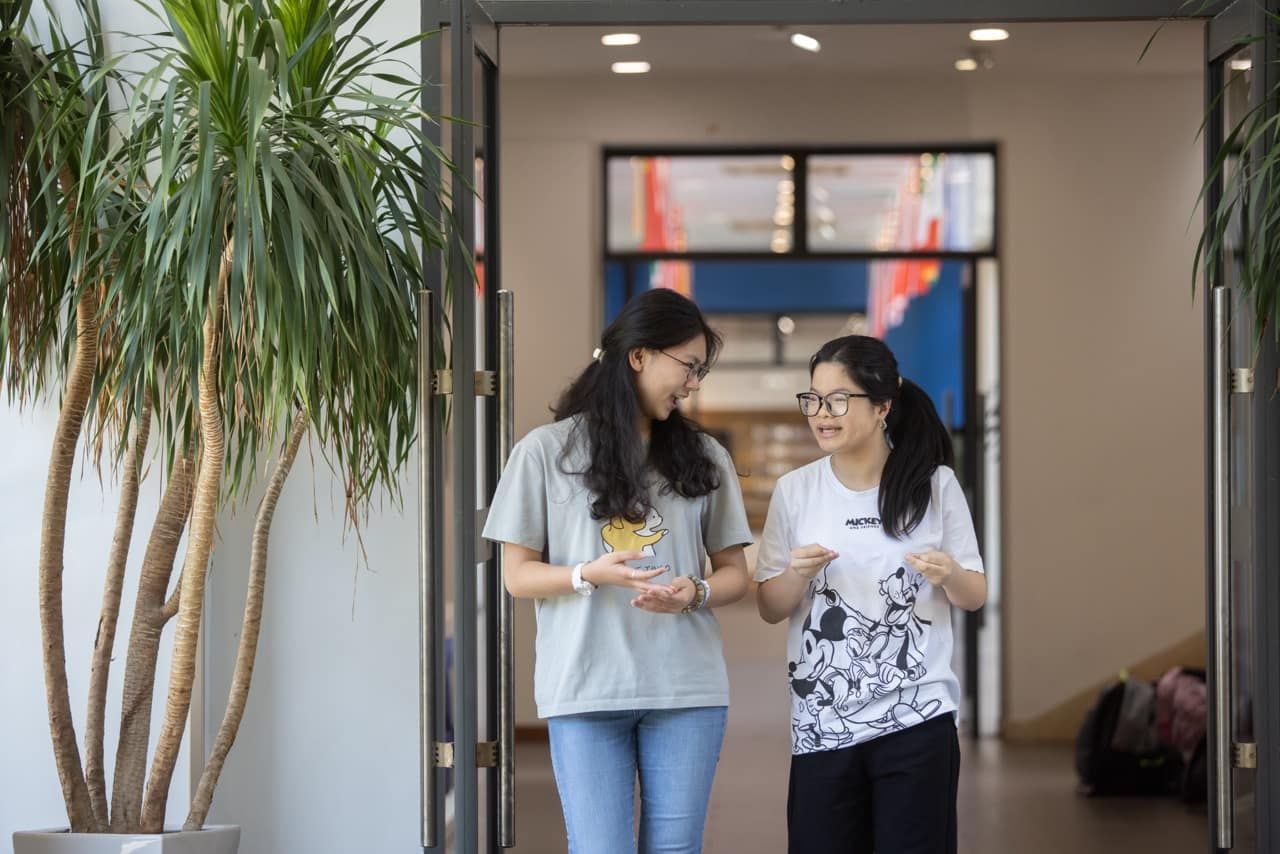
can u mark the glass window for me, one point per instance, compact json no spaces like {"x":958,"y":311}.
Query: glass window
{"x":722,"y":203}
{"x":901,"y":202}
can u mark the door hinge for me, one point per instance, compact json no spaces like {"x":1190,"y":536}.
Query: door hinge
{"x":1242,"y":381}
{"x":1244,"y":754}
{"x":486,"y":383}
{"x":442,"y":382}
{"x":486,"y":754}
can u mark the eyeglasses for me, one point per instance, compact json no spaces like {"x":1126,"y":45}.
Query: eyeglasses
{"x":694,"y":369}
{"x":837,"y":402}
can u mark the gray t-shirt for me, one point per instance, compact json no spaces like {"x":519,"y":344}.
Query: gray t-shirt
{"x":599,"y":653}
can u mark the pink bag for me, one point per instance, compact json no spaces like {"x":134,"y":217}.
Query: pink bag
{"x":1181,"y":709}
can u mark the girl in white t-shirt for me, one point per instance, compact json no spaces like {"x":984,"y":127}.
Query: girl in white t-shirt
{"x":866,"y":551}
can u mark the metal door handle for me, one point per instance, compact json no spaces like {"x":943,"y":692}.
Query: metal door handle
{"x":428,"y":591}
{"x":506,"y":606}
{"x":1221,"y":673}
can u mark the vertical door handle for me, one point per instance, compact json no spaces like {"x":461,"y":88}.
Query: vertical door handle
{"x":428,"y":592}
{"x":1221,"y":675}
{"x":506,"y":606}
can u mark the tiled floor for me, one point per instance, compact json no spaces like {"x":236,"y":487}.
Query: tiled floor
{"x":1015,"y":799}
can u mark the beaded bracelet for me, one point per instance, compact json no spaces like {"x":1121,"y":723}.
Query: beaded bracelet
{"x":701,"y":595}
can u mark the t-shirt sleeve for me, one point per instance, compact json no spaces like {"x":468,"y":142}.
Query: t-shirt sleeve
{"x":518,"y":512}
{"x":775,"y":544}
{"x":958,"y":536}
{"x":724,"y":517}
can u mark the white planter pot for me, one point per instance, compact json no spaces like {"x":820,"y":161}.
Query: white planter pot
{"x":215,"y":839}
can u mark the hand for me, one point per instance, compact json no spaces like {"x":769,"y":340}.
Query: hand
{"x":612,"y":569}
{"x":658,"y":602}
{"x":937,"y":567}
{"x":808,"y":561}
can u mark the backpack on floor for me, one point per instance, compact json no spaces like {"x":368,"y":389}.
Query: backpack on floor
{"x":1118,"y":750}
{"x":1181,"y":722}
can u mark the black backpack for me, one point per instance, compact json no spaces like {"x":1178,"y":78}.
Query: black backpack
{"x":1117,"y":750}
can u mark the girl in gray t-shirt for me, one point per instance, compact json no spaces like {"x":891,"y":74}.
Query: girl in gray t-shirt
{"x":607,"y":518}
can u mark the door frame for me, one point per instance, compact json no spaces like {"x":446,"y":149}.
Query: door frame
{"x":488,"y":16}
{"x":660,"y":12}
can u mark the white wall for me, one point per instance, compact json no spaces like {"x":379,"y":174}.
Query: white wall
{"x":327,"y":757}
{"x":30,"y":795}
{"x":1102,"y":351}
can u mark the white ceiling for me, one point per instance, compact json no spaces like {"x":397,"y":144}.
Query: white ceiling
{"x":1081,"y":48}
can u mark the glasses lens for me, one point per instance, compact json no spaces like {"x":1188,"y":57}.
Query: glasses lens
{"x":838,"y":404}
{"x":809,"y":403}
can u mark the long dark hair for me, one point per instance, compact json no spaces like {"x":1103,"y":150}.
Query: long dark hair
{"x":604,"y":394}
{"x":921,"y":442}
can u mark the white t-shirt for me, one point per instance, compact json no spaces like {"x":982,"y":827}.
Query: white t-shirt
{"x":869,"y":646}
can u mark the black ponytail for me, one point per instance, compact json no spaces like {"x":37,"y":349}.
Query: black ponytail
{"x":920,"y":441}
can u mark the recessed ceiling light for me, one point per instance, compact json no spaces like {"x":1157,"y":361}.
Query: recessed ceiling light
{"x":966,"y":64}
{"x":804,"y":42}
{"x":620,"y":39}
{"x":989,"y":34}
{"x":1241,"y":64}
{"x":631,"y":68}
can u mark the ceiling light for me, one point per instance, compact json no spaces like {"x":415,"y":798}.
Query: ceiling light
{"x":804,"y":42}
{"x":1241,"y":64}
{"x":989,"y":34}
{"x":620,"y":39}
{"x":631,"y":68}
{"x":966,"y":64}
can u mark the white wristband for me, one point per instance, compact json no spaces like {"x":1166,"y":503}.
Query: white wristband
{"x":580,"y":585}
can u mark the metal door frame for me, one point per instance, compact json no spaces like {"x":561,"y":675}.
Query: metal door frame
{"x":479,"y":24}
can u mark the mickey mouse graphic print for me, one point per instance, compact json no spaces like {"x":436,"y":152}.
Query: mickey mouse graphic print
{"x":869,"y":646}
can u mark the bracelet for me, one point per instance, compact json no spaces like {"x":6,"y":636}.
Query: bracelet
{"x":701,"y":595}
{"x":580,"y":585}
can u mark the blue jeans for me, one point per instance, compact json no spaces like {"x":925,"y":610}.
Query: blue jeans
{"x":596,"y":757}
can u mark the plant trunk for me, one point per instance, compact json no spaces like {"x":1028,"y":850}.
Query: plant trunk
{"x":250,"y":628}
{"x":144,"y":649}
{"x":104,"y":644}
{"x":66,"y":753}
{"x":204,"y":520}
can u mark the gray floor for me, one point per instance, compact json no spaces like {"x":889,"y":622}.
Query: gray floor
{"x":1012,"y":798}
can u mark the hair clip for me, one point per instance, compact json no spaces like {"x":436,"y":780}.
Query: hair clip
{"x":597,"y":354}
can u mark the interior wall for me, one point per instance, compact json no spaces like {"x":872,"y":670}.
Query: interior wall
{"x":1102,"y":354}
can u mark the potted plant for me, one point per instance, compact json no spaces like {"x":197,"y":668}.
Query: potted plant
{"x":236,"y":267}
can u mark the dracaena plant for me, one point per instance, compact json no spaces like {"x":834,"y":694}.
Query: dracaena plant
{"x":236,"y":268}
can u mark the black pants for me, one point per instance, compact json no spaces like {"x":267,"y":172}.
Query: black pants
{"x":895,"y":794}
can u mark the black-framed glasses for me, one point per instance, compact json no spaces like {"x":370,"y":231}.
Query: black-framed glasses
{"x":694,"y":369}
{"x":837,"y":402}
